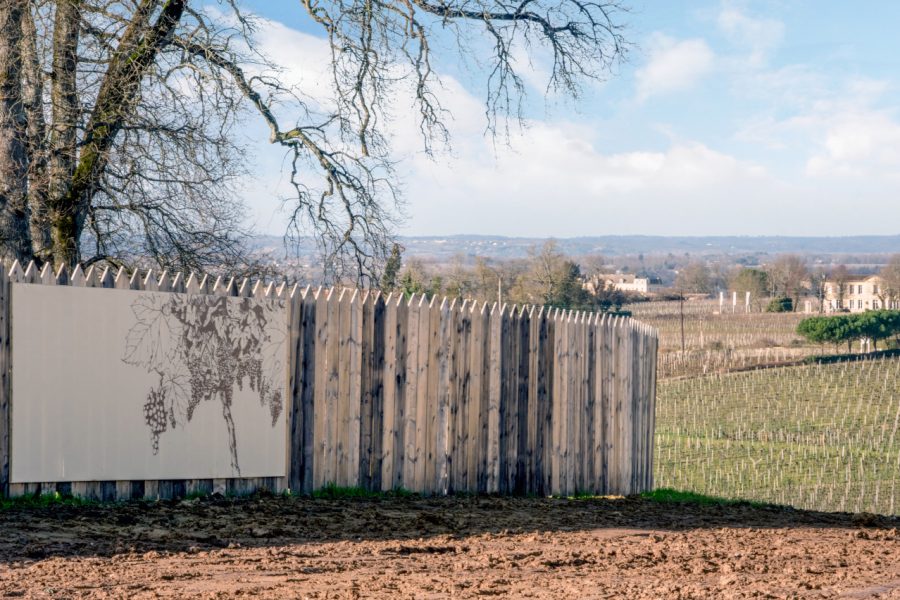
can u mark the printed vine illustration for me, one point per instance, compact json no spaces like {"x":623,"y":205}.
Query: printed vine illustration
{"x":202,"y":348}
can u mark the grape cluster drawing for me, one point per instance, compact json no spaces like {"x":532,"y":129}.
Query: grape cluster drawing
{"x":203,"y":348}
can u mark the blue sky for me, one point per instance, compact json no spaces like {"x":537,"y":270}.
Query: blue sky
{"x":729,"y":118}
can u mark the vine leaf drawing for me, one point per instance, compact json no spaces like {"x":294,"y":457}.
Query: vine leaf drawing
{"x":201,"y":348}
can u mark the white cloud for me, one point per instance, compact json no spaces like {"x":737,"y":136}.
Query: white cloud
{"x":835,"y":127}
{"x":759,"y":36}
{"x":555,"y":179}
{"x":858,"y":144}
{"x":673,"y":65}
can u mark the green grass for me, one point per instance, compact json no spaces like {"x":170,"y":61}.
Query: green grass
{"x":332,"y":491}
{"x":821,"y":437}
{"x":42,"y":501}
{"x":329,"y":492}
{"x":670,"y":496}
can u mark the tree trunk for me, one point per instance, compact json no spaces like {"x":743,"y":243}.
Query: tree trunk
{"x":35,"y":137}
{"x":64,"y":100}
{"x":15,"y":240}
{"x":118,"y":94}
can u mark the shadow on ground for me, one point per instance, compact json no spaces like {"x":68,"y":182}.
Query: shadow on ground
{"x":260,"y":521}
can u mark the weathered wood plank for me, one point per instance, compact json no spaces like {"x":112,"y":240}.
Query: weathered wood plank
{"x":309,"y":331}
{"x":461,"y":375}
{"x":376,"y":383}
{"x":5,"y":380}
{"x":354,"y":415}
{"x":420,"y":447}
{"x":404,"y":405}
{"x":494,"y":398}
{"x":523,"y":379}
{"x":295,"y":399}
{"x":475,"y":449}
{"x":507,"y":401}
{"x":432,"y":403}
{"x":343,"y":399}
{"x":320,"y":402}
{"x":442,"y":397}
{"x":364,"y":470}
{"x":408,"y":397}
{"x":393,"y":420}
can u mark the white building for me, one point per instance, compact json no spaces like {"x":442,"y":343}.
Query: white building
{"x":857,"y":294}
{"x":623,"y":282}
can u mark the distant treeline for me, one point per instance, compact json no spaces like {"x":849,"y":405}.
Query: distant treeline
{"x":873,"y":325}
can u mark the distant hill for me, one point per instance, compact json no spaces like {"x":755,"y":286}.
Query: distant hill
{"x":615,"y":245}
{"x":499,"y":247}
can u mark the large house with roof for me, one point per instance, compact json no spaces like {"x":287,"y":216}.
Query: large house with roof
{"x":857,"y":294}
{"x":624,"y":282}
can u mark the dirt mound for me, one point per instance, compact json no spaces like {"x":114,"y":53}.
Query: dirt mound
{"x":279,"y":547}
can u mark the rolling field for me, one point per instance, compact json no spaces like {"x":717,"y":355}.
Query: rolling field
{"x":722,"y":342}
{"x":821,"y":437}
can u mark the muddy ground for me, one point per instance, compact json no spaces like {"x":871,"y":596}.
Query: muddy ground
{"x":277,"y":547}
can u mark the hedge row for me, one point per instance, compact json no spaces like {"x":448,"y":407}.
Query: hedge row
{"x":872,"y":324}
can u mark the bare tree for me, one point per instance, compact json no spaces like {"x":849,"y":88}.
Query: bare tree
{"x":889,"y":290}
{"x":545,"y":274}
{"x":695,"y":278}
{"x":117,"y":117}
{"x":788,"y":274}
{"x":839,"y":277}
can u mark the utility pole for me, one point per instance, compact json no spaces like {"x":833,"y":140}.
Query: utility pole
{"x":681,"y":310}
{"x":499,"y":290}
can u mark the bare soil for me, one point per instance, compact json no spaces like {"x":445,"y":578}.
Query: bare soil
{"x":461,"y":547}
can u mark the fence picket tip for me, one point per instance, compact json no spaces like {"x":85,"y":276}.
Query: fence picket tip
{"x":30,"y":271}
{"x":252,"y":289}
{"x":106,"y":278}
{"x":242,"y":287}
{"x":76,"y":277}
{"x":15,"y":270}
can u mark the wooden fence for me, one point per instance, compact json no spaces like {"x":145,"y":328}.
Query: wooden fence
{"x":389,"y":392}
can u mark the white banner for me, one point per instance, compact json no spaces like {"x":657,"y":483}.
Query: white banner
{"x":131,"y":385}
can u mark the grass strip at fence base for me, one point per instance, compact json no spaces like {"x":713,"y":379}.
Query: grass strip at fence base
{"x":43,"y":501}
{"x":332,"y":491}
{"x":335,"y":492}
{"x":670,"y":496}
